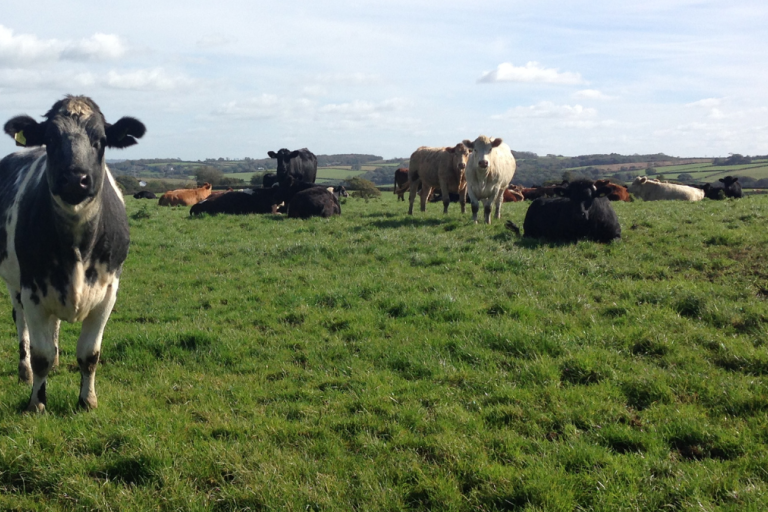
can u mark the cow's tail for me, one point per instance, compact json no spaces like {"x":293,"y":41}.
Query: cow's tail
{"x":512,"y":227}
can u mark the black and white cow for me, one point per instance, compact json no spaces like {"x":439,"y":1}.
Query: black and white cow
{"x":300,"y":164}
{"x":582,"y":212}
{"x":63,"y":235}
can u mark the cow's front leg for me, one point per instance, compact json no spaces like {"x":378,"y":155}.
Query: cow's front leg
{"x":475,"y":205}
{"x":25,"y":367}
{"x":499,"y":200}
{"x":42,"y":352}
{"x":487,"y":207}
{"x":89,"y":347}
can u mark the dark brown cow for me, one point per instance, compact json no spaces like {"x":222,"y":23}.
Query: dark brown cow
{"x":401,"y":183}
{"x":618,"y":193}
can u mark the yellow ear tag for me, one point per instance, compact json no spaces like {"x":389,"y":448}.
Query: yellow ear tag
{"x":20,"y":139}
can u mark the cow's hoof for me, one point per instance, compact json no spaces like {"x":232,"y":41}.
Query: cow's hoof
{"x":25,"y":374}
{"x":88,"y":403}
{"x":36,"y":407}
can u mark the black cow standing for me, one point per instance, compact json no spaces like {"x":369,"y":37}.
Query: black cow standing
{"x":301,"y":165}
{"x":724,"y":187}
{"x":582,"y":212}
{"x":63,"y":235}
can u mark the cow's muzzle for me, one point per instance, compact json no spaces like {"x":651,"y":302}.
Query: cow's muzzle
{"x":483,"y":164}
{"x":75,"y":188}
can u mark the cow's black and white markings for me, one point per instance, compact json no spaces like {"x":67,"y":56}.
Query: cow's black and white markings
{"x":301,"y":165}
{"x":63,"y":235}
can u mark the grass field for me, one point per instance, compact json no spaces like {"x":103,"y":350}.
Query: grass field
{"x":377,"y":361}
{"x":709,"y":172}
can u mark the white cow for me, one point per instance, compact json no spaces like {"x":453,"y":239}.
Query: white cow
{"x":490,"y":168}
{"x":654,"y":190}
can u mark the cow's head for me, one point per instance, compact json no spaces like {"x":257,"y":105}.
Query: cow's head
{"x":481,"y":148}
{"x":75,"y":135}
{"x":283,"y":157}
{"x":728,"y":180}
{"x":583,"y":194}
{"x":459,"y":154}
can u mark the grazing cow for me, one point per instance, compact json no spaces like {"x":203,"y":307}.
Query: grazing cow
{"x":654,"y":190}
{"x":63,"y":236}
{"x":339,"y":191}
{"x":618,"y":192}
{"x":724,"y":187}
{"x":433,"y":167}
{"x":269,"y":179}
{"x":490,"y":168}
{"x":313,"y":202}
{"x":583,"y":212}
{"x":401,"y":183}
{"x":300,"y":164}
{"x":185,"y":196}
{"x":250,"y":200}
{"x":144,"y":194}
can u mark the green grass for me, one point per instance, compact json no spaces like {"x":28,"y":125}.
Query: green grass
{"x":377,"y":361}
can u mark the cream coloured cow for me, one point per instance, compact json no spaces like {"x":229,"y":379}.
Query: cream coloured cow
{"x":490,"y":168}
{"x":655,"y":190}
{"x":433,"y":167}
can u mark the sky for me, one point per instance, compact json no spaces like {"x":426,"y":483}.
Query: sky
{"x":236,"y":79}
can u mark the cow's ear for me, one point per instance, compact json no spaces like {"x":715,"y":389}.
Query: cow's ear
{"x":272,"y":154}
{"x":124,"y":132}
{"x":602,"y":191}
{"x":722,"y":180}
{"x":293,"y":154}
{"x":451,"y":150}
{"x":496,"y":142}
{"x":25,"y":131}
{"x":469,"y":144}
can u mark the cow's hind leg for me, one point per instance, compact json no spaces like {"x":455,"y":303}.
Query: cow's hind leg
{"x":89,"y":347}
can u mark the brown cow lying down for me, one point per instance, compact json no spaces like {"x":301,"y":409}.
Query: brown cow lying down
{"x":618,"y":193}
{"x":512,"y":196}
{"x":185,"y":196}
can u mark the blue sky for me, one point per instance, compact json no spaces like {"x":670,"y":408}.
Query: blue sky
{"x":240,"y":78}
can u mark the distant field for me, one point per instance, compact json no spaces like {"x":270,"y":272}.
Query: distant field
{"x":757,"y":170}
{"x":323,"y":174}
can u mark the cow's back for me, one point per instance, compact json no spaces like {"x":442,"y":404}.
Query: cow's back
{"x":424,"y":165}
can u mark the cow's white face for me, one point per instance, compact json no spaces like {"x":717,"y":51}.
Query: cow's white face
{"x":481,"y":150}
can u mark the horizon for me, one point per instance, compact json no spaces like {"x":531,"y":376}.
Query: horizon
{"x":680,"y":77}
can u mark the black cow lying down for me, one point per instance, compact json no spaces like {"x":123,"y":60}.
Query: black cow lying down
{"x":144,"y":194}
{"x":724,"y":187}
{"x":258,"y":200}
{"x":582,"y":211}
{"x":314,"y":202}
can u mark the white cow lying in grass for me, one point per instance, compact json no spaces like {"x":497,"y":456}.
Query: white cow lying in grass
{"x":654,"y":190}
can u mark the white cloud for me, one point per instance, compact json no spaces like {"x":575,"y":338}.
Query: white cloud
{"x":706,"y":103}
{"x":26,"y":49}
{"x":591,"y":94}
{"x":549,"y":110}
{"x":156,"y":79}
{"x":531,"y":72}
{"x":261,"y":107}
{"x":215,"y":40}
{"x":97,"y":47}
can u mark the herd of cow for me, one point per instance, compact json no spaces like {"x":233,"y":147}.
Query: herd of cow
{"x":291,"y":190}
{"x":483,"y":170}
{"x":64,"y":232}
